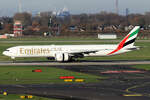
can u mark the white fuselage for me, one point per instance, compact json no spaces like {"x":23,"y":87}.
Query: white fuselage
{"x":51,"y":50}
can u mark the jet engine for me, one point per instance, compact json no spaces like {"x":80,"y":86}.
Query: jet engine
{"x":50,"y":58}
{"x":61,"y":57}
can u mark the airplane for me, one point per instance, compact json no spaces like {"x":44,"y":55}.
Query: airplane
{"x":64,"y":53}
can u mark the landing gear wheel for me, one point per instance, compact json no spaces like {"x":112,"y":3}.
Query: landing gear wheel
{"x":13,"y":58}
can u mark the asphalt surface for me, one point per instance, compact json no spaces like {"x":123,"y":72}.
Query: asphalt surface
{"x":117,"y":86}
{"x":79,"y":63}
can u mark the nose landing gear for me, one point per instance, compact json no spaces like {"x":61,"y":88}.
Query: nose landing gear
{"x":13,"y":58}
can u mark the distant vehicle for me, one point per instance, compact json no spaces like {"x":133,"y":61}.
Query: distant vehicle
{"x":64,"y":53}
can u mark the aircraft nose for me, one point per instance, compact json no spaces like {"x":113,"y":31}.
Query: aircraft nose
{"x":5,"y":53}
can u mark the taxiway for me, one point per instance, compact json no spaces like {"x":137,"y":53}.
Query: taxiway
{"x":80,"y":63}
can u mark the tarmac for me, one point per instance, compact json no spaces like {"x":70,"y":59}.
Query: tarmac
{"x":116,"y":86}
{"x":77,"y":63}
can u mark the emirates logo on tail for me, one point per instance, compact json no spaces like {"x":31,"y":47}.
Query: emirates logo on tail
{"x":128,"y":41}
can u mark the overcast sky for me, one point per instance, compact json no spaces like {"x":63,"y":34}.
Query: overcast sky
{"x":8,"y":7}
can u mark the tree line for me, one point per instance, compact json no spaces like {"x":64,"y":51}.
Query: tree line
{"x":102,"y":22}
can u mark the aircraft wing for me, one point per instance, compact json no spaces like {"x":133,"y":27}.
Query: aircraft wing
{"x":87,"y":52}
{"x":84,"y":52}
{"x":81,"y":53}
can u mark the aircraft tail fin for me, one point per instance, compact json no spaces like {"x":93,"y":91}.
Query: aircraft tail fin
{"x":129,"y":40}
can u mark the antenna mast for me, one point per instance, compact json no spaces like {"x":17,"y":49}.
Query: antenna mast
{"x":20,"y":6}
{"x":117,"y":8}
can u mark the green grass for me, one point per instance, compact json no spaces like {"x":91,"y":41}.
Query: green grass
{"x":17,"y":97}
{"x":24,"y":75}
{"x":145,"y":67}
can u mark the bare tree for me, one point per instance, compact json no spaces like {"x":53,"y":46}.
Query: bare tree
{"x":25,"y":18}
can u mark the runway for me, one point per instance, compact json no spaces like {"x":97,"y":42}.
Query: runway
{"x":77,"y":63}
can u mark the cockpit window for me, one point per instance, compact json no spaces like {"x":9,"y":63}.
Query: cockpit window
{"x":7,"y":50}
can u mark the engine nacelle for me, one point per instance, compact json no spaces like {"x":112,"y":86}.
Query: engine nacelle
{"x":50,"y":58}
{"x":62,"y":57}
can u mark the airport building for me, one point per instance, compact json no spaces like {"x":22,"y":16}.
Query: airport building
{"x":107,"y":36}
{"x":18,"y":28}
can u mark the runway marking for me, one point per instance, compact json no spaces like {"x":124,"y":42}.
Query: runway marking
{"x":122,"y":71}
{"x":20,"y":86}
{"x":132,"y":95}
{"x":133,"y":87}
{"x":128,"y":90}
